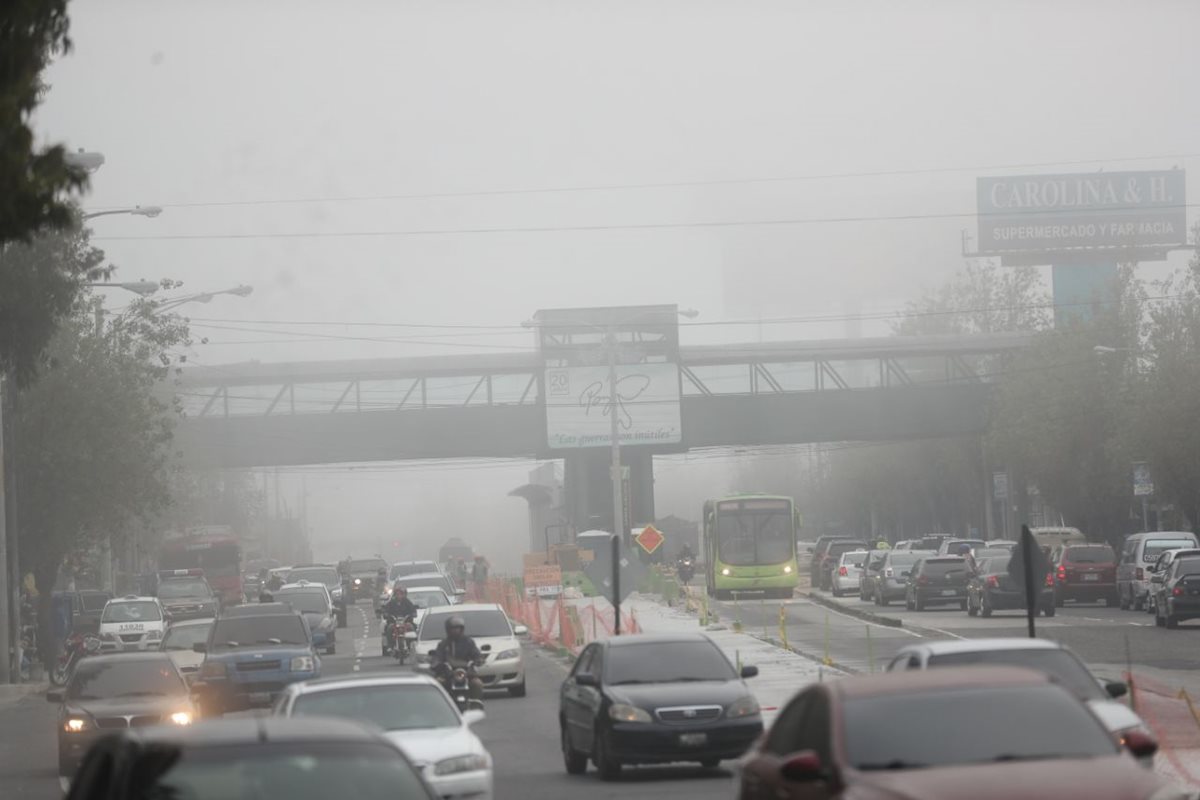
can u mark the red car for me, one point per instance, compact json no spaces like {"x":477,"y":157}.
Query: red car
{"x":1085,"y":572}
{"x":972,"y":732}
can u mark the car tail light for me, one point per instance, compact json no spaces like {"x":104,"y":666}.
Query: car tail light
{"x":1062,"y":572}
{"x":842,"y":571}
{"x":1140,"y":575}
{"x":1177,"y":591}
{"x":1049,"y":579}
{"x":993,"y":582}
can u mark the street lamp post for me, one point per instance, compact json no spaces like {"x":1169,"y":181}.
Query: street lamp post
{"x":136,"y":211}
{"x":241,"y":290}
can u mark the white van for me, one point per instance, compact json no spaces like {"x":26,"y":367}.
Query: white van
{"x":132,"y":624}
{"x":1139,"y":552}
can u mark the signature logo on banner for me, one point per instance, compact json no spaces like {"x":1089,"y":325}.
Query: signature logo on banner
{"x":628,"y":389}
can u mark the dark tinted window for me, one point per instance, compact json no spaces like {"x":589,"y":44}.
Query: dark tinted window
{"x":308,"y":771}
{"x":994,"y":565}
{"x":1187,"y":566}
{"x":1090,"y":554}
{"x":1061,"y":664}
{"x":170,"y":590}
{"x":391,"y":708}
{"x":658,"y":662}
{"x":124,"y":678}
{"x":942,"y":566}
{"x":94,"y":602}
{"x":285,"y":628}
{"x":974,"y":726}
{"x":839,"y":547}
{"x":479,"y":623}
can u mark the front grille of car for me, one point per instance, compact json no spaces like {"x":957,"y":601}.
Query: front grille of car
{"x":131,"y":637}
{"x":146,"y":719}
{"x":112,"y":722}
{"x":686,"y":714}
{"x":138,"y":721}
{"x":257,"y":666}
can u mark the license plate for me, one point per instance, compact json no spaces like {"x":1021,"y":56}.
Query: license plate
{"x":693,"y":739}
{"x":132,"y":648}
{"x":1091,"y":576}
{"x":948,"y":592}
{"x":260,"y":698}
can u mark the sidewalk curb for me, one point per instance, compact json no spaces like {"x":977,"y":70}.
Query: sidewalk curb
{"x":869,"y":616}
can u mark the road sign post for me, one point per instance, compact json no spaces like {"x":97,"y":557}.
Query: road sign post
{"x":1028,"y":568}
{"x":616,"y":579}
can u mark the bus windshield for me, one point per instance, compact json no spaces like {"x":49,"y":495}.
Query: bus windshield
{"x":758,"y":533}
{"x":217,"y":559}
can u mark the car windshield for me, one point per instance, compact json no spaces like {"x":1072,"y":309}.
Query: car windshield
{"x":182,"y":637}
{"x":943,"y":566}
{"x":480,"y":624}
{"x":245,"y":631}
{"x":173,"y":589}
{"x":666,"y":662}
{"x":1156,"y":547}
{"x":1090,"y":554}
{"x":132,"y":611}
{"x":1060,"y":664}
{"x":411,"y":568}
{"x":307,"y":602}
{"x":974,"y":726}
{"x":124,"y":677}
{"x":291,"y":771}
{"x":323,"y":575}
{"x":429,"y":599}
{"x":391,"y":708}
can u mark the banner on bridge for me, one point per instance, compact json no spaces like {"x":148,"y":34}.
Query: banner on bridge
{"x":579,"y":401}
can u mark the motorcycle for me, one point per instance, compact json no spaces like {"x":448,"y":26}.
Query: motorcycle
{"x":401,"y":646}
{"x":78,"y":646}
{"x":457,"y":681}
{"x":685,"y":570}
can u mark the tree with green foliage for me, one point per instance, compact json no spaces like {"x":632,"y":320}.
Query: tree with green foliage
{"x":92,"y":449}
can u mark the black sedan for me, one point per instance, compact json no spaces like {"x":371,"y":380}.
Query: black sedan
{"x":937,"y":580}
{"x":296,"y":759}
{"x":648,"y":699}
{"x":1177,"y":598}
{"x":108,"y":693}
{"x":990,"y":588}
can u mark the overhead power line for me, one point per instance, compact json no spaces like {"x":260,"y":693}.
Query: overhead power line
{"x":614,"y":187}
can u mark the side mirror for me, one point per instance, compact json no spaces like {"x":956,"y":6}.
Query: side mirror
{"x":586,"y":679}
{"x":1141,"y":745}
{"x":1116,"y":689}
{"x":54,"y":696}
{"x":749,"y":671}
{"x":520,"y":630}
{"x":473,"y":715}
{"x":803,"y":767}
{"x":200,"y":647}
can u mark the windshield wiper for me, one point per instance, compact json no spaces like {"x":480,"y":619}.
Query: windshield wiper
{"x":269,"y":641}
{"x":1035,"y":756}
{"x":896,"y":764}
{"x":688,"y":680}
{"x":630,"y":681}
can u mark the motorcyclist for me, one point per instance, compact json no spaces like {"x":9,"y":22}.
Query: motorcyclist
{"x":398,"y":605}
{"x":457,"y":650}
{"x":686,"y":554}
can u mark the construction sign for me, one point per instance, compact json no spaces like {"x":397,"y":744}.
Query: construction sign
{"x":543,"y":581}
{"x":649,"y":539}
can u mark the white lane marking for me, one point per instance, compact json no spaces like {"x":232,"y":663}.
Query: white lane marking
{"x":943,"y":632}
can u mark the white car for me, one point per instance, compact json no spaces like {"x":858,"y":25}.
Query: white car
{"x":1037,"y":654}
{"x":180,"y":641}
{"x":413,"y":711}
{"x":427,"y":597}
{"x":847,"y":575}
{"x":494,"y":634}
{"x":132,"y":624}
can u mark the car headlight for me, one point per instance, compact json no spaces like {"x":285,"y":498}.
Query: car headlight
{"x":76,"y":725}
{"x":182,"y":718}
{"x":212,"y":669}
{"x":725,"y":570}
{"x":620,"y":712}
{"x":358,"y":581}
{"x":468,"y":763}
{"x":507,"y":654}
{"x":745,"y":707}
{"x":303,"y":664}
{"x":787,"y":570}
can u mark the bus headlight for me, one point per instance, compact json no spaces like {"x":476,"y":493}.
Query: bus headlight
{"x":725,"y":571}
{"x":787,"y":570}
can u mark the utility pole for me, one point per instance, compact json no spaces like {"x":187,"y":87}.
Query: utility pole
{"x":9,"y":510}
{"x":618,"y":505}
{"x":5,"y":593}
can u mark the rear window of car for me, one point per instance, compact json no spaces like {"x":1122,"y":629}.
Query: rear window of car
{"x":837,"y":548}
{"x":480,"y":624}
{"x":943,"y":566}
{"x":854,"y":558}
{"x":1156,"y":547}
{"x":411,"y":568}
{"x":1022,"y":722}
{"x":902,"y":559}
{"x":1091,"y":554}
{"x":1058,"y":663}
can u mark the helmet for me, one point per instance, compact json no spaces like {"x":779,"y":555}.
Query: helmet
{"x":398,"y":587}
{"x":455,"y":622}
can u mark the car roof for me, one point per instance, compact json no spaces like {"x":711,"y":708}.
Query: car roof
{"x":656,"y":638}
{"x":345,"y":682}
{"x":935,"y":680}
{"x":1161,"y":535}
{"x":133,"y":598}
{"x":948,"y":646}
{"x":258,"y":610}
{"x":259,"y":729}
{"x":193,"y":623}
{"x":303,"y":586}
{"x":468,"y":607}
{"x":427,"y":589}
{"x":420,"y":575}
{"x":415,"y":561}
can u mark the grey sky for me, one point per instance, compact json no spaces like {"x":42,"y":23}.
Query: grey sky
{"x":225,"y":102}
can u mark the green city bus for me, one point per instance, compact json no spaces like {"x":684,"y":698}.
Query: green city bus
{"x":750,"y":545}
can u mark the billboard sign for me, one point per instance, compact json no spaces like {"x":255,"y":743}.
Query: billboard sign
{"x":1036,"y":213}
{"x":580,"y":399}
{"x":1143,"y":484}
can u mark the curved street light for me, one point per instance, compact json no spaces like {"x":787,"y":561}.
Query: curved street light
{"x":241,"y":290}
{"x":136,"y":211}
{"x":144,"y":288}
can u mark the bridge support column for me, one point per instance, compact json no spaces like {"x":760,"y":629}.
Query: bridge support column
{"x":588,"y":489}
